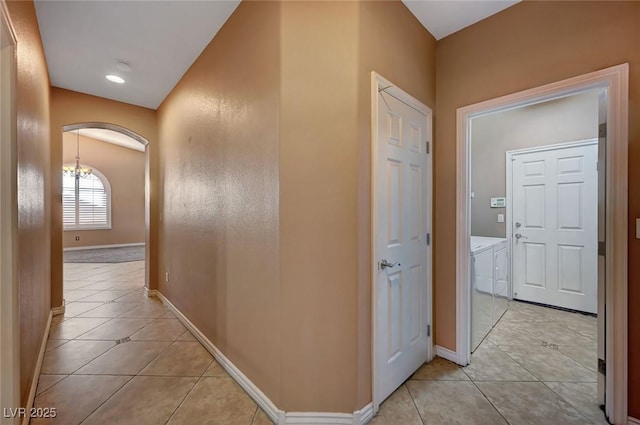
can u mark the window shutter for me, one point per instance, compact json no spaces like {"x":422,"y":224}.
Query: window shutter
{"x":85,"y":203}
{"x":92,"y":202}
{"x":68,"y":201}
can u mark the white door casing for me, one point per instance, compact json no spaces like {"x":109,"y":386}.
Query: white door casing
{"x":554,"y":216}
{"x":401,"y":235}
{"x":9,"y":315}
{"x":615,"y":80}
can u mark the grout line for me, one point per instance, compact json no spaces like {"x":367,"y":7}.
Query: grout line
{"x":253,"y":419}
{"x":108,"y":398}
{"x":490,"y":402}
{"x":415,"y":406}
{"x":183,"y":400}
{"x":566,"y":401}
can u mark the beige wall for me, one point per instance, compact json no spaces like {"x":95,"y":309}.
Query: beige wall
{"x":219,"y":225}
{"x":124,"y":169}
{"x":68,"y":107}
{"x":528,"y":45}
{"x":279,"y":103}
{"x":563,"y":120}
{"x":32,"y":103}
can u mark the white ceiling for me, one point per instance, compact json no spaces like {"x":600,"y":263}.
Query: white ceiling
{"x":444,"y":17}
{"x":85,"y":40}
{"x":111,"y":136}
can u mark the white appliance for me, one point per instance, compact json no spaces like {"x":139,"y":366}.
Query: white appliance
{"x":489,"y":285}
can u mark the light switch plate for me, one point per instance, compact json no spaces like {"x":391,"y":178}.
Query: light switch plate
{"x":637,"y":228}
{"x":500,"y":218}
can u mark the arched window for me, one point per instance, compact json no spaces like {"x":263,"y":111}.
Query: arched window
{"x":86,"y":201}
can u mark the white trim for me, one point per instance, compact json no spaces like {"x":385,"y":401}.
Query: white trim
{"x":57,"y":311}
{"x":254,"y":392}
{"x":633,"y":421}
{"x":616,"y":80}
{"x":379,"y":83}
{"x":279,"y":417}
{"x":9,"y":290}
{"x":446,"y":354}
{"x":509,"y":191}
{"x":150,"y":293}
{"x":120,"y":245}
{"x":36,"y":370}
{"x":364,"y":415}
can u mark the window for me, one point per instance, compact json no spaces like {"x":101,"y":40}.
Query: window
{"x":86,"y":201}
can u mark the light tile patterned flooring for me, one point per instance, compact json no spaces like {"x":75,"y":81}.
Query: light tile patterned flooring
{"x":536,"y":367}
{"x":161,"y":376}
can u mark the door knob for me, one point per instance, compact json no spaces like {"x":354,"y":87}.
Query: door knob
{"x":518,"y":224}
{"x":383,"y":264}
{"x":520,"y":236}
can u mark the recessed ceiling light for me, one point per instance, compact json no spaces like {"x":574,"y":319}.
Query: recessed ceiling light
{"x":115,"y":79}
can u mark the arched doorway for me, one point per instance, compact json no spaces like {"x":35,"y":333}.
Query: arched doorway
{"x":109,"y":219}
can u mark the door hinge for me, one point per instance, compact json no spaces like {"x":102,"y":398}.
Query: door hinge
{"x":428,"y":239}
{"x":602,"y":366}
{"x":602,"y":130}
{"x":427,"y":147}
{"x":602,"y":249}
{"x":428,"y":330}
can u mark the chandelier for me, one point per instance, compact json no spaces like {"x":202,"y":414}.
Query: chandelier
{"x":77,"y":171}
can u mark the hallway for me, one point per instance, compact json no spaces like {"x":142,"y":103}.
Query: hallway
{"x":117,"y":357}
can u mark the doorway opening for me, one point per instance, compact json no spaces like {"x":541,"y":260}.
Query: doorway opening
{"x":543,"y":264}
{"x":105,"y":204}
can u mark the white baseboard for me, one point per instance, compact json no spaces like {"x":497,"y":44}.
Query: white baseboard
{"x":254,"y":392}
{"x":150,"y":293}
{"x":57,"y":311}
{"x":633,"y":421}
{"x":119,"y":245}
{"x":36,"y":371}
{"x":277,"y":416}
{"x":446,"y":354}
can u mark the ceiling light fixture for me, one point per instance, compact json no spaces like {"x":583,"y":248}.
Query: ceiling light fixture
{"x":77,"y":171}
{"x":115,"y":79}
{"x":124,"y":66}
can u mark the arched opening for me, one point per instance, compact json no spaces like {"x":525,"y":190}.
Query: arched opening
{"x":106,"y":213}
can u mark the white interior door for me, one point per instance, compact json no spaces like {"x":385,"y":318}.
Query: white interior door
{"x":402,"y":202}
{"x":555,"y":220}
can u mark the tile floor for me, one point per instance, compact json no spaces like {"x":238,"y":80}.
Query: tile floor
{"x":536,"y":367}
{"x":160,"y":375}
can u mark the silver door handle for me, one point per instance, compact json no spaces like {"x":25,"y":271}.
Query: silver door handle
{"x":383,"y":264}
{"x":520,"y":236}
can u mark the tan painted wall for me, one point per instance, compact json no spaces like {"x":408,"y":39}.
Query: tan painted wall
{"x":219,"y":179}
{"x":32,"y":103}
{"x":282,"y":285}
{"x":68,"y":107}
{"x":528,"y":45}
{"x":124,"y":168}
{"x":563,"y":120}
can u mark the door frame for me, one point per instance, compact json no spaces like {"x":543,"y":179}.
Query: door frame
{"x":616,"y":80}
{"x":509,"y":191}
{"x":378,"y":84}
{"x":9,"y":319}
{"x":147,"y":197}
